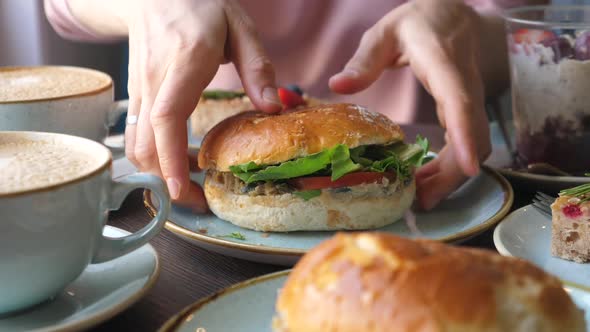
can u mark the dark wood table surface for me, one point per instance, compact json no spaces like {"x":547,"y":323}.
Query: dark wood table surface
{"x":189,"y":273}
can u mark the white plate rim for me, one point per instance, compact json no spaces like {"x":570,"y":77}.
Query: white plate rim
{"x":100,"y":316}
{"x":499,"y":244}
{"x":293,"y":252}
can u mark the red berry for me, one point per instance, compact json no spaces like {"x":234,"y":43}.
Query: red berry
{"x":572,"y":211}
{"x":290,"y":99}
{"x":531,"y":36}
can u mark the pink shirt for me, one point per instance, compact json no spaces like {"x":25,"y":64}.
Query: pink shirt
{"x":308,"y":42}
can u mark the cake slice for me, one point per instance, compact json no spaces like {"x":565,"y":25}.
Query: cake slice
{"x":570,"y":230}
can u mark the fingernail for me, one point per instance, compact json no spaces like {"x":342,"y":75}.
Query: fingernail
{"x":271,"y":95}
{"x":173,"y":188}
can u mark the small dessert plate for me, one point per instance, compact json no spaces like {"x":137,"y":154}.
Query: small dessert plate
{"x":476,"y":206}
{"x":526,"y":233}
{"x":102,"y":291}
{"x":250,"y":306}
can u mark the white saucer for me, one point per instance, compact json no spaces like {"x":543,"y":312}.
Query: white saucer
{"x":526,"y":233}
{"x":101,"y":292}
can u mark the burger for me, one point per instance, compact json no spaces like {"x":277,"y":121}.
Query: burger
{"x":216,"y":105}
{"x":380,"y":282}
{"x":325,"y":167}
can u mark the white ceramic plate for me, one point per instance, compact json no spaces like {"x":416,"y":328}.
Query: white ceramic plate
{"x":102,"y":291}
{"x":249,"y":306}
{"x":478,"y":205}
{"x":526,"y":233}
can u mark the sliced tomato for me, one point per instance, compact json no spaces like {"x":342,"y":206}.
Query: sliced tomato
{"x":290,"y":99}
{"x":532,"y":36}
{"x":349,"y":180}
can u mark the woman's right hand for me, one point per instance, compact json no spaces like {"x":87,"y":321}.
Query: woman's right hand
{"x":175,"y":49}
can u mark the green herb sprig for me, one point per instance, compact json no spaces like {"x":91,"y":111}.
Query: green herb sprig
{"x":235,"y":235}
{"x":582,"y":191}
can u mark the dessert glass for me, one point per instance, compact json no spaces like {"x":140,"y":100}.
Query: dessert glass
{"x":549,"y":52}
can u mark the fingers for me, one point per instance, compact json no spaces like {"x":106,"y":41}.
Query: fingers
{"x":134,"y":91}
{"x":252,"y":63}
{"x":377,"y":51}
{"x":170,"y":112}
{"x":460,"y":108}
{"x":438,"y":178}
{"x":194,"y":199}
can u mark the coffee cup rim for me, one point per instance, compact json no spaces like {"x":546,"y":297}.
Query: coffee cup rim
{"x":104,"y":164}
{"x":108,"y":84}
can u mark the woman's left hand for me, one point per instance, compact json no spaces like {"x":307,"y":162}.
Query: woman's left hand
{"x":439,"y":41}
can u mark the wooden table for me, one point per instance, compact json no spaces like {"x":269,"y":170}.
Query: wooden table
{"x":189,"y":273}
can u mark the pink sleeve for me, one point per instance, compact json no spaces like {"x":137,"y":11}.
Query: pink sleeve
{"x":67,"y":26}
{"x":494,"y":6}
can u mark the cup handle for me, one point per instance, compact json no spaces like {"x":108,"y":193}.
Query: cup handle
{"x":110,"y":248}
{"x":119,"y":107}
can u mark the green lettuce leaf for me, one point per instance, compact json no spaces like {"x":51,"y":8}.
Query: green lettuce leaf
{"x":341,"y":162}
{"x":287,"y":170}
{"x":222,"y":94}
{"x":308,"y":194}
{"x":243,"y":168}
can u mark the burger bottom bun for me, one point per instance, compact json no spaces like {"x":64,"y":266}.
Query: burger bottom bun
{"x":365,"y":206}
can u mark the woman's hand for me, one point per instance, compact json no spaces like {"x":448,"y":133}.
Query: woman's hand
{"x":439,"y":40}
{"x":175,"y":49}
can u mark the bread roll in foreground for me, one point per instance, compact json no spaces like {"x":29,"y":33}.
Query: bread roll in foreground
{"x":375,"y":282}
{"x":327,"y":167}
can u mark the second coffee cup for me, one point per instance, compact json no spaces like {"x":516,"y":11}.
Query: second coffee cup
{"x":60,"y":99}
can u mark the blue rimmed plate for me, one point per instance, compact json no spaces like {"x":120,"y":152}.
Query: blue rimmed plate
{"x":250,"y":306}
{"x":476,"y":206}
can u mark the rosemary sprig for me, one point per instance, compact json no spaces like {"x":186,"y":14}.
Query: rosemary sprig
{"x":582,"y":191}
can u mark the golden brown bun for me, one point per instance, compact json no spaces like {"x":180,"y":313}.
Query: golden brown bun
{"x":210,"y":112}
{"x":365,"y":206}
{"x":271,"y":139}
{"x":376,"y":282}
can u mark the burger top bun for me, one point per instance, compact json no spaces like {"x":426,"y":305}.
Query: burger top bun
{"x":376,"y":282}
{"x":271,"y":139}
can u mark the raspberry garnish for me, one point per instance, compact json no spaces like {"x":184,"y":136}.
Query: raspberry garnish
{"x":572,"y":211}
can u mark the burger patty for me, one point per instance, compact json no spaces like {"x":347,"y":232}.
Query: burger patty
{"x":231,"y":183}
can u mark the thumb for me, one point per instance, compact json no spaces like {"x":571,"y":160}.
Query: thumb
{"x":377,"y":51}
{"x":253,"y":65}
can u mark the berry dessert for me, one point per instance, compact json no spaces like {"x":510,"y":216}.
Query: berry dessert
{"x":216,"y":105}
{"x":550,"y":72}
{"x":570,"y":230}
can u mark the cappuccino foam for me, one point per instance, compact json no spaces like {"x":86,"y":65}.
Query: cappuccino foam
{"x":48,"y":82}
{"x":27,"y":164}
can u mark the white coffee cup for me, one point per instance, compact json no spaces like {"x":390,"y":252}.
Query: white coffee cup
{"x":60,"y":99}
{"x":55,"y":194}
